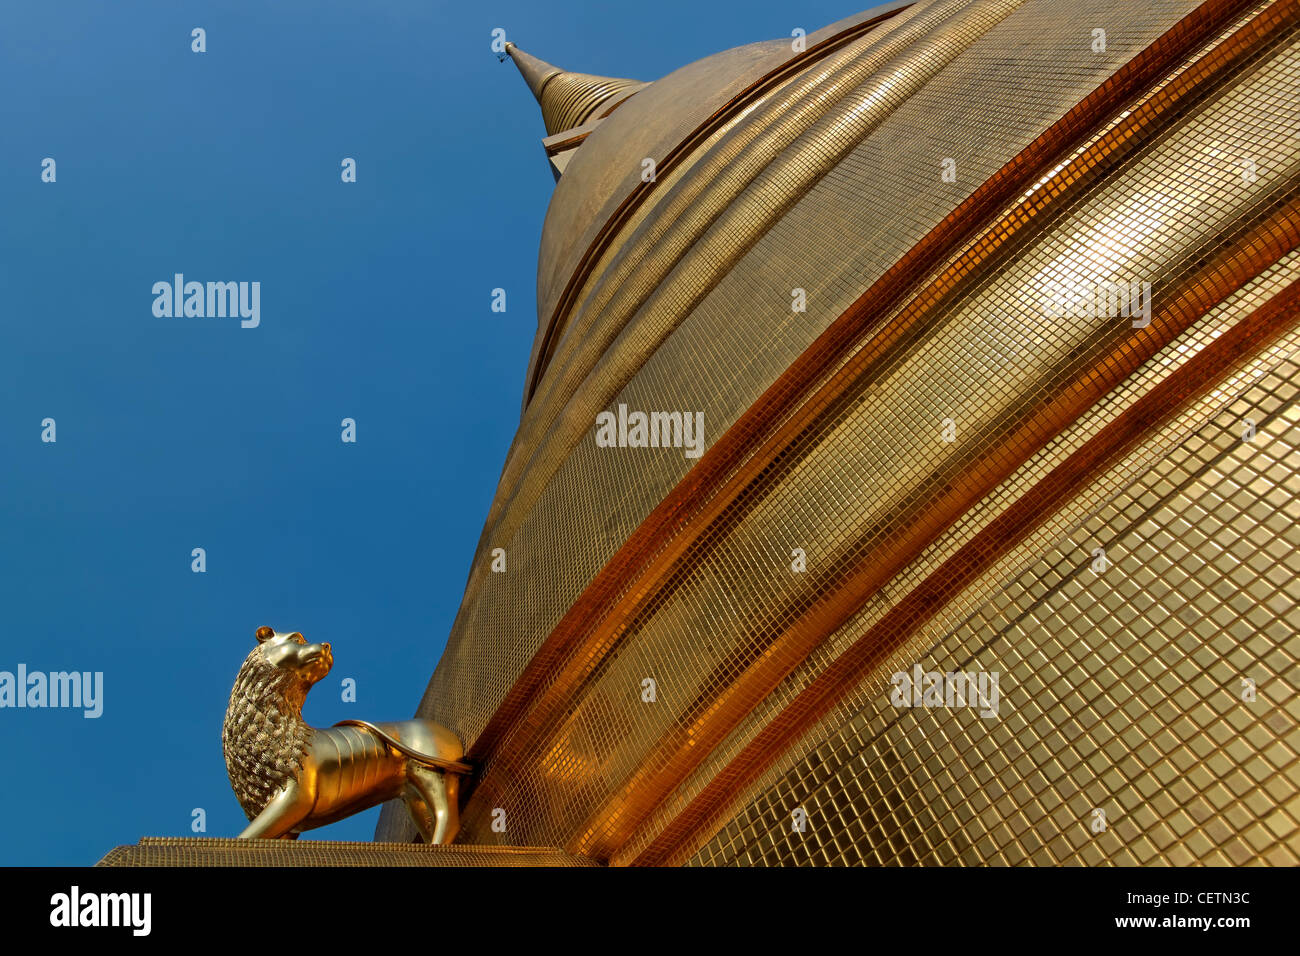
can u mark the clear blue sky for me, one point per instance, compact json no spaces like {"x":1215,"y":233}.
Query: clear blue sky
{"x":175,"y":434}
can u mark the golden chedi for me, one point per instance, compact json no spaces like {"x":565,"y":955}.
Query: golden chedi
{"x":907,"y":469}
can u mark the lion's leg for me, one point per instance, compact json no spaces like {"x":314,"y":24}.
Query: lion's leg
{"x":419,"y":811}
{"x":450,"y":819}
{"x":440,"y":793}
{"x":286,"y":810}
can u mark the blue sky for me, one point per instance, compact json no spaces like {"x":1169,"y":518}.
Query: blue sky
{"x":175,"y":434}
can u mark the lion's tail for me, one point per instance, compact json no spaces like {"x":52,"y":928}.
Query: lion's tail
{"x":429,"y":760}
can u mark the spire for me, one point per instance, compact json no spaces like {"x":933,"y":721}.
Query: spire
{"x":568,"y":99}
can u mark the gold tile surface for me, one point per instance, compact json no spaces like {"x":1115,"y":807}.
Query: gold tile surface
{"x":1119,"y":688}
{"x":215,"y":851}
{"x":1123,"y":690}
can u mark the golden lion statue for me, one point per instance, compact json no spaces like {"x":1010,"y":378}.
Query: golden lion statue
{"x":290,"y":777}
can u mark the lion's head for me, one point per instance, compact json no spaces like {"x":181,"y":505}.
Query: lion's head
{"x":264,"y":737}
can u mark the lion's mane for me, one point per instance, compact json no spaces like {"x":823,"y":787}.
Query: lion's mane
{"x":264,"y":736}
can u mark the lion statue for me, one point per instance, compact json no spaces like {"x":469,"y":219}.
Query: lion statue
{"x":290,"y":777}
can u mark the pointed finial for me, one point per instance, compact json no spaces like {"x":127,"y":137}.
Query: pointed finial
{"x":568,"y":99}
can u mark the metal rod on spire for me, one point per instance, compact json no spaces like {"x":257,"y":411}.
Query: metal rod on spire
{"x":568,"y":99}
